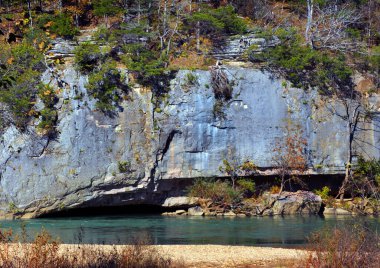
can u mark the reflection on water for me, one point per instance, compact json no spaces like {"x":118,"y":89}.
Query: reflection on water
{"x":264,"y":231}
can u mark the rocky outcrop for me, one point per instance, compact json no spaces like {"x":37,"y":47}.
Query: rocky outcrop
{"x":166,"y":146}
{"x":236,"y":46}
{"x":180,"y":201}
{"x":289,"y":203}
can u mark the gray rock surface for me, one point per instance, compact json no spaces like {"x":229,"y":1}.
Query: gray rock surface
{"x":195,"y":211}
{"x":234,"y":47}
{"x":336,"y":211}
{"x":180,"y":201}
{"x":300,"y":202}
{"x":165,"y":147}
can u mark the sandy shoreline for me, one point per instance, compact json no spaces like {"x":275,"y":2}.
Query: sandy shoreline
{"x":219,"y":255}
{"x":227,"y":256}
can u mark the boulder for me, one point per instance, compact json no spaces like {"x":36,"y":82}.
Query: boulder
{"x":195,"y":211}
{"x":300,"y":202}
{"x":336,"y":211}
{"x":180,"y":201}
{"x":229,"y":214}
{"x":180,"y":212}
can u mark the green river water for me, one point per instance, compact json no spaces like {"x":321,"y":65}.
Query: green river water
{"x":123,"y":229}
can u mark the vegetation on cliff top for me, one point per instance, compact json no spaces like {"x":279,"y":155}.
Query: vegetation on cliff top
{"x":321,"y":44}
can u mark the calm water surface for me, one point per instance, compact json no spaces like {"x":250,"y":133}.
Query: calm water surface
{"x":265,"y":231}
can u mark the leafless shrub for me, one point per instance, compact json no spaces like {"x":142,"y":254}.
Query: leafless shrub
{"x":47,"y":252}
{"x":220,"y":83}
{"x":353,"y":245}
{"x":329,"y":28}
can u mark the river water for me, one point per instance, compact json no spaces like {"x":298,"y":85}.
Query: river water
{"x":290,"y":231}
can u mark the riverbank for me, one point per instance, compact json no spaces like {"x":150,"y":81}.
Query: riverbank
{"x":231,"y":256}
{"x":42,"y":253}
{"x":202,"y":256}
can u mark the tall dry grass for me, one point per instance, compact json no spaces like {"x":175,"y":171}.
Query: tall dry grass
{"x":352,"y":245}
{"x":46,"y":252}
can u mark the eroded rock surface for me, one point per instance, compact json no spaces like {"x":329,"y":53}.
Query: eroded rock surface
{"x":165,"y":146}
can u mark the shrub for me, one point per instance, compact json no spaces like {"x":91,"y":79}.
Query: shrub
{"x":49,"y":113}
{"x":366,"y":179}
{"x":60,"y":24}
{"x":247,"y":185}
{"x":105,"y":8}
{"x":25,"y":66}
{"x":305,"y":67}
{"x":87,"y":57}
{"x":107,"y":85}
{"x":148,"y":66}
{"x":352,"y":245}
{"x":275,"y":189}
{"x":191,"y":79}
{"x":217,"y":21}
{"x":124,"y":166}
{"x":45,"y":251}
{"x":220,"y":192}
{"x":323,"y":193}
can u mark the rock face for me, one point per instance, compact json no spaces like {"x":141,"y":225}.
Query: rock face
{"x":164,"y":146}
{"x":235,"y":47}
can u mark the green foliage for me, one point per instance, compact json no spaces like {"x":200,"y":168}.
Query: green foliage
{"x":247,"y":185}
{"x":49,"y":113}
{"x":87,"y":57}
{"x":374,"y":59}
{"x":191,"y":79}
{"x":218,"y":109}
{"x":25,"y":68}
{"x":105,"y":8}
{"x":148,"y":66}
{"x":13,"y":208}
{"x":220,"y":192}
{"x":369,"y":169}
{"x":324,"y":192}
{"x":217,"y":21}
{"x":306,"y":67}
{"x":107,"y":86}
{"x":124,"y":166}
{"x":60,"y":24}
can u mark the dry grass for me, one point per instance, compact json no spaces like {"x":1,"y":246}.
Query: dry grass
{"x":49,"y":253}
{"x":351,"y":246}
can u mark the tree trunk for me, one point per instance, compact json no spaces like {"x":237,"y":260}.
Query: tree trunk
{"x":139,"y":12}
{"x":30,"y":13}
{"x":198,"y":33}
{"x":310,"y":11}
{"x":347,"y":175}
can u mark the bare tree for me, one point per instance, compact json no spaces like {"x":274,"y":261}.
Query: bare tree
{"x":329,"y":28}
{"x":289,"y":156}
{"x":355,"y":112}
{"x":310,"y":12}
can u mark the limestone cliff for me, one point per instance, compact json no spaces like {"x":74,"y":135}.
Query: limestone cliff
{"x":141,"y":155}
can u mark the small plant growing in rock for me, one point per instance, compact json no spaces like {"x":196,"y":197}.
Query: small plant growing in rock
{"x":324,"y":192}
{"x":191,"y":79}
{"x":124,"y":166}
